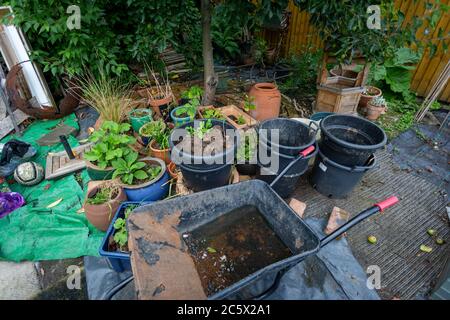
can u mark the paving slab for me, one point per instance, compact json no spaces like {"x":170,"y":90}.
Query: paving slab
{"x":18,"y":281}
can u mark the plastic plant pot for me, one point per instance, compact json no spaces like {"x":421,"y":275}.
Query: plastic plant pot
{"x":318,"y":116}
{"x":287,"y":184}
{"x":350,"y":140}
{"x":335,"y":180}
{"x":137,"y":120}
{"x":247,"y":169}
{"x":202,"y":172}
{"x":153,"y":190}
{"x":97,"y":174}
{"x":177,"y":120}
{"x":294,"y":136}
{"x":119,"y":261}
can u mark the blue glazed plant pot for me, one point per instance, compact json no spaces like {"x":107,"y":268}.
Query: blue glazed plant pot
{"x":178,"y":121}
{"x":153,"y":190}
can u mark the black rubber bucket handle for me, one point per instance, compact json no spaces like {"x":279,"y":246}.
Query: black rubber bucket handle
{"x":302,"y":155}
{"x":379,"y":207}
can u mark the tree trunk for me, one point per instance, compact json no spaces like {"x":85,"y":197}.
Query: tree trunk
{"x":211,"y":79}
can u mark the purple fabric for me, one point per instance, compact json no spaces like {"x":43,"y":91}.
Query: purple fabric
{"x":10,"y":201}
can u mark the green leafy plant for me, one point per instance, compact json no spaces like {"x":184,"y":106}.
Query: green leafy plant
{"x":342,"y":25}
{"x":190,"y":108}
{"x":162,"y":139}
{"x":152,"y":129}
{"x":129,"y":169}
{"x":103,"y":195}
{"x":213,"y":114}
{"x":241,"y":120}
{"x":248,"y":146}
{"x":249,"y":103}
{"x":203,"y":128}
{"x":110,"y":144}
{"x":120,"y":227}
{"x":396,"y":71}
{"x":194,"y":92}
{"x":378,"y":101}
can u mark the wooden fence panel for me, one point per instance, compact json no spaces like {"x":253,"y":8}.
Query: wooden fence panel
{"x":301,"y":36}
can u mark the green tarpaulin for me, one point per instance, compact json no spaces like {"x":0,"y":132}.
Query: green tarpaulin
{"x":35,"y":232}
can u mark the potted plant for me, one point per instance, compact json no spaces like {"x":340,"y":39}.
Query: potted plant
{"x":246,"y":153}
{"x":204,"y":153}
{"x":159,"y":146}
{"x":368,"y":94}
{"x":185,"y":113}
{"x":102,"y":202}
{"x":115,"y":243}
{"x":139,"y":117}
{"x":194,"y":92}
{"x":110,"y":97}
{"x":160,"y":94}
{"x":375,"y":108}
{"x":143,"y":180}
{"x":110,"y":143}
{"x":149,"y":130}
{"x":210,"y":113}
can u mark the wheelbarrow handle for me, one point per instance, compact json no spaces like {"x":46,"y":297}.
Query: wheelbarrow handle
{"x":379,"y":207}
{"x":302,"y":154}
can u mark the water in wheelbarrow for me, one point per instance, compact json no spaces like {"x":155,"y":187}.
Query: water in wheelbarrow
{"x":232,"y":247}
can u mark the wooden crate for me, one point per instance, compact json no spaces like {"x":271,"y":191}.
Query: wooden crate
{"x":337,"y":95}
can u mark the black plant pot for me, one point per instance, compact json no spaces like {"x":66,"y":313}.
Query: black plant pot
{"x":247,"y":169}
{"x":204,"y":172}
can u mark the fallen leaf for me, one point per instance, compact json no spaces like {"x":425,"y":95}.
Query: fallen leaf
{"x":372,"y":239}
{"x":211,"y":250}
{"x":54,"y":204}
{"x":431,"y":232}
{"x":440,"y":241}
{"x":425,"y":248}
{"x":81,"y":210}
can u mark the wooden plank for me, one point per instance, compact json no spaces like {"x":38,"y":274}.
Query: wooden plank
{"x":6,"y":125}
{"x":58,"y":164}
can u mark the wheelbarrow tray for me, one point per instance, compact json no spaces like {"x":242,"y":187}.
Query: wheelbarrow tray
{"x":201,"y":208}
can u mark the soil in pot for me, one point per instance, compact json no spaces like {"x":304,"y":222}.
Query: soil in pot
{"x":158,"y":152}
{"x":206,"y":140}
{"x":232,"y":247}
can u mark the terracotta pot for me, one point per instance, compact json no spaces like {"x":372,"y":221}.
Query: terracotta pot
{"x":172,"y":168}
{"x":100,"y":215}
{"x":267,"y":99}
{"x":157,"y":104}
{"x":373,"y":112}
{"x":365,"y":98}
{"x":160,"y":154}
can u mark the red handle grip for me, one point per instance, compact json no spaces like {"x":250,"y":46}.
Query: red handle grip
{"x":307,"y":151}
{"x":389,"y":202}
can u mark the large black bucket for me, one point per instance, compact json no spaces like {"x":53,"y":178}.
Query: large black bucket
{"x":350,"y":140}
{"x":335,"y":180}
{"x":294,"y":136}
{"x":204,"y":172}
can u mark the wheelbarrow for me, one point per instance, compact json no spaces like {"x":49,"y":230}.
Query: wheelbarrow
{"x":204,"y":207}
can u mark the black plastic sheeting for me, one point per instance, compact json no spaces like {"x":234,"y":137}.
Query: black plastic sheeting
{"x":332,"y":274}
{"x":424,"y":150}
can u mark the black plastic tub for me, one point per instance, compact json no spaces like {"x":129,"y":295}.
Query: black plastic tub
{"x":286,"y":186}
{"x":335,"y":180}
{"x":294,"y":136}
{"x":203,"y":172}
{"x":247,"y":169}
{"x":204,"y":207}
{"x":350,"y":140}
{"x":200,"y":180}
{"x":118,"y":261}
{"x":284,"y":160}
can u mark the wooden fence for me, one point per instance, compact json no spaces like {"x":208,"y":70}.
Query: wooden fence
{"x":301,"y":35}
